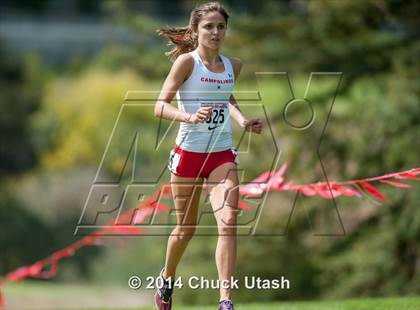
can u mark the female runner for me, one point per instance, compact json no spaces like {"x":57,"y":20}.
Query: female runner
{"x":203,"y":80}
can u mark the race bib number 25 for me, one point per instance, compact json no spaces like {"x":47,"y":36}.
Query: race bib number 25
{"x":218,"y":119}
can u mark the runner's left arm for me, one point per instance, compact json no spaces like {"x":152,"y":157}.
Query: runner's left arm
{"x":254,"y":124}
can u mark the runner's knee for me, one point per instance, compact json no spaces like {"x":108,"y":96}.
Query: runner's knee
{"x":228,"y":220}
{"x":183,"y":233}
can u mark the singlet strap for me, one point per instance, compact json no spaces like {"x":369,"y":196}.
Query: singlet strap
{"x":227,"y":64}
{"x":195,"y":55}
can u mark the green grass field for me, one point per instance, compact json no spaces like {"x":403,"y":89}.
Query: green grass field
{"x":54,"y":296}
{"x":401,"y":303}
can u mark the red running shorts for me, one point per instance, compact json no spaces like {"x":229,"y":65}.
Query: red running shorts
{"x":193,"y":164}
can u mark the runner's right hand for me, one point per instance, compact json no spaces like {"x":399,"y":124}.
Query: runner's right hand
{"x":201,"y":115}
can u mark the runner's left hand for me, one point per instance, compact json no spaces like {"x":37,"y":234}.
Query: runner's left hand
{"x":253,"y":125}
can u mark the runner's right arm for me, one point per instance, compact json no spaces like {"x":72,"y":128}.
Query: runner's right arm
{"x":180,"y":71}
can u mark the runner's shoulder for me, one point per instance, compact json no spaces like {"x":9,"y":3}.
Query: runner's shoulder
{"x":236,"y":64}
{"x":184,"y":64}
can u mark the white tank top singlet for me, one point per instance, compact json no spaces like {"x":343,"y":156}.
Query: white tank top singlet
{"x":203,"y":88}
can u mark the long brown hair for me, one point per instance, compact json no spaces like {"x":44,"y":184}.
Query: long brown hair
{"x":185,"y":38}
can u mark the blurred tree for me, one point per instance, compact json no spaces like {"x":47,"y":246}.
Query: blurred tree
{"x":20,"y":99}
{"x":25,"y":236}
{"x":22,"y":232}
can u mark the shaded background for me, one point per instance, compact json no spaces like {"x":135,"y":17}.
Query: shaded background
{"x":65,"y":67}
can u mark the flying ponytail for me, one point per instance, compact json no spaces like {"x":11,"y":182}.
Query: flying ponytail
{"x":185,"y":38}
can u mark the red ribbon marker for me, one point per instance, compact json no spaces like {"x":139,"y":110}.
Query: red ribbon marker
{"x":267,"y":181}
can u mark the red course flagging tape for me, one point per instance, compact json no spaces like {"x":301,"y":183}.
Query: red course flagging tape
{"x":267,"y":181}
